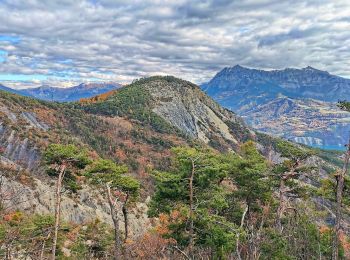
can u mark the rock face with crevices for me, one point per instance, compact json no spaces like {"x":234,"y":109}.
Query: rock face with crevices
{"x":85,"y":206}
{"x":24,"y":128}
{"x":31,"y":119}
{"x":17,"y":150}
{"x":185,"y":106}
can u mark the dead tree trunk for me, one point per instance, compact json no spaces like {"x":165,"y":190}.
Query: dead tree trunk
{"x":43,"y":246}
{"x":117,"y":240}
{"x":238,"y":233}
{"x":58,"y":208}
{"x":281,"y":205}
{"x":283,"y":190}
{"x":125,"y":214}
{"x":191,"y":232}
{"x":338,"y":216}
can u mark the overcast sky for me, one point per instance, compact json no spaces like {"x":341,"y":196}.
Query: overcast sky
{"x":64,"y":42}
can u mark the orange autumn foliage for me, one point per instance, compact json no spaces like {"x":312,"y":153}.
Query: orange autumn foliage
{"x":154,"y":244}
{"x":324,"y":229}
{"x":344,"y":240}
{"x":97,"y":98}
{"x":13,"y":218}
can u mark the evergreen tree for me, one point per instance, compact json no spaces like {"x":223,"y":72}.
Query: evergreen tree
{"x":63,"y":158}
{"x":194,"y":187}
{"x":119,"y":188}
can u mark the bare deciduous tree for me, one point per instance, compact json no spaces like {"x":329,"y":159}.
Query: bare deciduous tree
{"x":339,"y":197}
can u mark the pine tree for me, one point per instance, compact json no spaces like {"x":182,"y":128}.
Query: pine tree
{"x":119,"y":188}
{"x":63,"y":158}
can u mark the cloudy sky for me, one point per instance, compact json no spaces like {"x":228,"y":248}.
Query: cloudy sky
{"x":68,"y":41}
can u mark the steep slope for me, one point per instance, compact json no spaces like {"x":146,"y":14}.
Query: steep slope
{"x":181,"y":104}
{"x":137,"y":126}
{"x":84,"y":90}
{"x":27,"y":126}
{"x":257,"y":95}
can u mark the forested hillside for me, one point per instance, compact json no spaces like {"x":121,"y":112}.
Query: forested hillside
{"x":158,"y":170}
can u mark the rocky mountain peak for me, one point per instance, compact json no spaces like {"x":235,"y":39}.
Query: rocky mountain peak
{"x":307,"y":82}
{"x":180,"y":103}
{"x":256,"y":94}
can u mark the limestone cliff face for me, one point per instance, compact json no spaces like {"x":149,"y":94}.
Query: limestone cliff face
{"x":18,"y":151}
{"x":82,"y":207}
{"x":185,"y":106}
{"x":21,"y":155}
{"x":14,"y":148}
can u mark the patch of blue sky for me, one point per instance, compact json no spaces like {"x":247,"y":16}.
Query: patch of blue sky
{"x":94,"y":2}
{"x":66,"y":73}
{"x":3,"y":55}
{"x":66,"y":61}
{"x":21,"y":77}
{"x":33,"y":64}
{"x":9,"y":38}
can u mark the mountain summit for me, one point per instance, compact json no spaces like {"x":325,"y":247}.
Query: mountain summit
{"x":180,"y":103}
{"x":296,"y":104}
{"x":233,"y":84}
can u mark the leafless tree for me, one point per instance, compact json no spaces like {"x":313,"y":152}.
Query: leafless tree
{"x":339,"y":197}
{"x":113,"y":204}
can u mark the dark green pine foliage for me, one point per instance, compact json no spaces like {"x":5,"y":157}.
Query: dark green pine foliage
{"x":209,"y":198}
{"x":134,"y":102}
{"x":248,"y":170}
{"x":106,"y":171}
{"x":75,"y":159}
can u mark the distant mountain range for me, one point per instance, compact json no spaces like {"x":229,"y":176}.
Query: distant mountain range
{"x":48,"y":93}
{"x":297,"y":104}
{"x":2,"y":87}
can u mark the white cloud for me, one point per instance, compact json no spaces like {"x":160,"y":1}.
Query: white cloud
{"x":120,"y":41}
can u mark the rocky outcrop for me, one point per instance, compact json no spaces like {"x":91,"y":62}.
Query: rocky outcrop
{"x":86,"y":205}
{"x":18,"y":150}
{"x":185,"y":106}
{"x":33,"y":122}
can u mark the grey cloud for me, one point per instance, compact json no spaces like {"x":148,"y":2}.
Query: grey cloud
{"x":293,"y":34}
{"x":190,"y":39}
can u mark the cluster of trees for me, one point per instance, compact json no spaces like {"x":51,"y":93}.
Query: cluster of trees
{"x":209,"y":205}
{"x":66,"y":163}
{"x":105,"y":174}
{"x":237,"y":206}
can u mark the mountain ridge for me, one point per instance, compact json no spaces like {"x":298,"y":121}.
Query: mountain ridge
{"x":298,"y":83}
{"x":181,"y":103}
{"x":254,"y":95}
{"x":137,"y":126}
{"x":74,"y":93}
